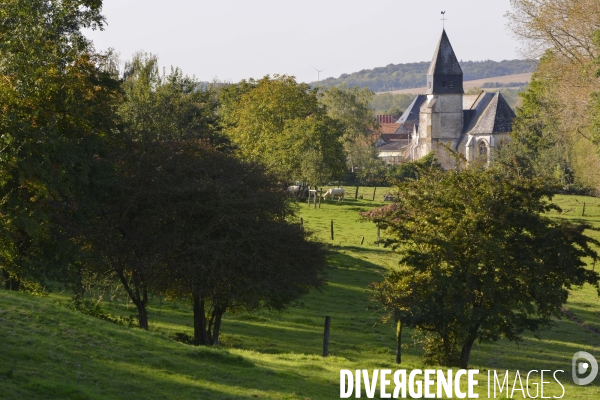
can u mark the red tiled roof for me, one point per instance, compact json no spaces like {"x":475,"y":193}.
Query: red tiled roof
{"x":388,"y":128}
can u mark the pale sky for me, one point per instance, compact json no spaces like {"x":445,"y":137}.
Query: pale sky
{"x":232,"y":40}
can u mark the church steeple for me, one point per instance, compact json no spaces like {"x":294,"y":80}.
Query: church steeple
{"x":444,"y":75}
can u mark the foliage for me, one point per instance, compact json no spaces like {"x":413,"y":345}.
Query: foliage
{"x":162,"y":107}
{"x":563,"y":33}
{"x":413,"y":75}
{"x":57,"y":111}
{"x":350,"y":107}
{"x":536,"y":146}
{"x":196,"y":222}
{"x":595,"y":103}
{"x":159,"y":110}
{"x":281,"y":124}
{"x":391,"y":104}
{"x":377,"y":173}
{"x":480,"y":260}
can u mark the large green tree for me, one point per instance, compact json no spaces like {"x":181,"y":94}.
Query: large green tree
{"x":350,"y":107}
{"x":57,"y":111}
{"x":480,"y":259}
{"x":281,"y":124}
{"x":158,"y":111}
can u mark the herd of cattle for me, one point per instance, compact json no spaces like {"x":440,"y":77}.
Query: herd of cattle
{"x":295,"y":190}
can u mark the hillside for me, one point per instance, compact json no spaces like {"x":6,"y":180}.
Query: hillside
{"x":52,"y":352}
{"x":413,"y":75}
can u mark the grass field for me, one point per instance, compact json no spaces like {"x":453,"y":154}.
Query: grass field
{"x":51,"y":352}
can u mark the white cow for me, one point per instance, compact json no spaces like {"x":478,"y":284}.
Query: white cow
{"x":335,"y":192}
{"x":293,"y":190}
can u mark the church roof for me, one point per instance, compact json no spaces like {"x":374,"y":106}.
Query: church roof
{"x":444,"y":60}
{"x":489,"y":114}
{"x":411,"y":115}
{"x":444,"y":75}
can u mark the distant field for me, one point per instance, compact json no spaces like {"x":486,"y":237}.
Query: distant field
{"x":52,"y":352}
{"x":516,"y":78}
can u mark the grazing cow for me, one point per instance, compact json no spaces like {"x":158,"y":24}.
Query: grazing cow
{"x":335,"y":192}
{"x":293,"y":190}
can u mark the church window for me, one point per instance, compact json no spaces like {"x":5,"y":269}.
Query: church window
{"x":451,"y":84}
{"x":483,"y":150}
{"x":443,"y":83}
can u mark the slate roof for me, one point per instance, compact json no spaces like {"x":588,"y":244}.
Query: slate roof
{"x":394,"y":145}
{"x":444,"y":74}
{"x":489,"y":114}
{"x":411,"y":115}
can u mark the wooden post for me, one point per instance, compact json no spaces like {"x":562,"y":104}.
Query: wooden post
{"x":374,"y":190}
{"x":301,"y":222}
{"x":315,"y":199}
{"x":356,"y":193}
{"x":583,"y":213}
{"x":398,"y":341}
{"x":331,"y":229}
{"x":320,"y":195}
{"x":378,"y":235}
{"x":326,"y":336}
{"x":363,"y":240}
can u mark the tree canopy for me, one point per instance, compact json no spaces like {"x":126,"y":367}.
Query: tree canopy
{"x":479,"y":259}
{"x":556,"y":108}
{"x":281,"y":124}
{"x":58,"y":108}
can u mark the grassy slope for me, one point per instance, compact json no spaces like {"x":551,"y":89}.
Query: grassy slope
{"x":49,"y":351}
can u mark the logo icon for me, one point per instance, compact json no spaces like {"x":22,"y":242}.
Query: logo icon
{"x":582,"y":367}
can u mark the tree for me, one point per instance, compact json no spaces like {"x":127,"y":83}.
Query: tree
{"x":350,"y":107}
{"x":57,"y":112}
{"x":280,"y":123}
{"x":563,"y":33}
{"x":158,"y":111}
{"x":197,"y":223}
{"x":234,"y":247}
{"x":480,"y":259}
{"x":537,"y":146}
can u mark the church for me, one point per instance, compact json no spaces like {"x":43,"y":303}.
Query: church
{"x":444,"y":117}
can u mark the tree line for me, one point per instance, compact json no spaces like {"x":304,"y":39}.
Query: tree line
{"x":413,"y":75}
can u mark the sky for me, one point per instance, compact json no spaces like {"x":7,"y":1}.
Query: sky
{"x":230,"y":40}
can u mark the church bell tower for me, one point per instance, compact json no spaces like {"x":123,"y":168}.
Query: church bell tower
{"x":441,"y":115}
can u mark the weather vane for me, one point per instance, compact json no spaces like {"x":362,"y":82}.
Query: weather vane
{"x":443,"y":19}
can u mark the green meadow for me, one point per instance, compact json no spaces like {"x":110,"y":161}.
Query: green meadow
{"x":49,"y":351}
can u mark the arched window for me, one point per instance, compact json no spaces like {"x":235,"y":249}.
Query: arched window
{"x":482,"y":149}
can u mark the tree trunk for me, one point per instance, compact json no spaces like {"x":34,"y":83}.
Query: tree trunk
{"x":142,"y":315}
{"x":466,"y":349}
{"x":140,"y":300}
{"x":217,"y":326}
{"x":11,"y":283}
{"x":6,"y":279}
{"x":398,"y":341}
{"x":200,"y":332}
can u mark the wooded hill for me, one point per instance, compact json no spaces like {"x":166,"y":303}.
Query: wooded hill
{"x":411,"y":75}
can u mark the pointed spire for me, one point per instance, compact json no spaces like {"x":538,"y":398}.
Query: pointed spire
{"x":444,"y":74}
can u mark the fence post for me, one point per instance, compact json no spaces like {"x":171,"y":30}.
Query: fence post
{"x":331,"y":229}
{"x":583,"y":213}
{"x":374,"y":190}
{"x":356,"y":193}
{"x":326,"y":336}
